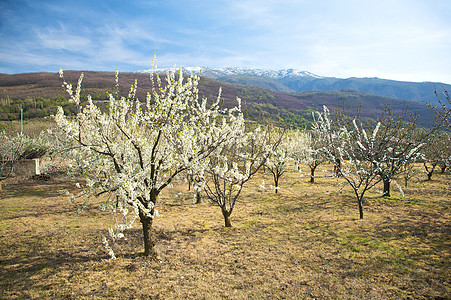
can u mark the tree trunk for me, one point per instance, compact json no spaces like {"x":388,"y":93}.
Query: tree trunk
{"x":276,"y":183}
{"x":429,"y":171}
{"x":312,"y":175}
{"x":360,"y":209}
{"x":198,"y":198}
{"x":337,"y":167}
{"x":359,"y":201}
{"x":226,"y":215}
{"x":386,"y":192}
{"x":149,"y":241}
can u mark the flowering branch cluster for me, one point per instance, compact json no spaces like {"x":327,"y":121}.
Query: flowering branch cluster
{"x":437,"y":153}
{"x":293,"y":147}
{"x":443,"y":110}
{"x":364,"y":158}
{"x":134,"y":151}
{"x":234,"y":163}
{"x":313,"y":155}
{"x":353,"y":152}
{"x":11,"y":148}
{"x":16,"y":147}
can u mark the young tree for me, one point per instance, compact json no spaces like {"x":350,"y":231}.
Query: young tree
{"x":193,"y":180}
{"x":277,"y":161}
{"x":398,"y":142}
{"x":11,"y":149}
{"x":16,"y":147}
{"x":445,"y":162}
{"x":292,"y":147}
{"x":364,"y":160}
{"x":298,"y":147}
{"x":443,"y":121}
{"x":234,"y":164}
{"x":437,"y":152}
{"x":354,"y":149}
{"x":314,"y":155}
{"x":134,"y":151}
{"x":443,"y":110}
{"x":409,"y":171}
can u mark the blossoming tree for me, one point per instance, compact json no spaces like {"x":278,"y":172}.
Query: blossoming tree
{"x":134,"y":150}
{"x":437,"y":152}
{"x":314,"y":155}
{"x":399,"y":141}
{"x":11,"y":148}
{"x":353,"y":152}
{"x":277,"y":161}
{"x":14,"y":147}
{"x":294,"y":147}
{"x":234,"y":163}
{"x":364,"y":160}
{"x":443,"y":110}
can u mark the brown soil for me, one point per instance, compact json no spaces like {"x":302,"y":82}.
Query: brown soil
{"x":302,"y":243}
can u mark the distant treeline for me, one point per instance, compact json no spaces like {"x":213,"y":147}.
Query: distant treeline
{"x":10,"y":109}
{"x":39,"y":95}
{"x":39,"y":107}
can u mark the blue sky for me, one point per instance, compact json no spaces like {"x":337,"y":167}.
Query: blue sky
{"x":395,"y":39}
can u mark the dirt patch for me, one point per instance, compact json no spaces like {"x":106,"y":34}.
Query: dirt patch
{"x":304,"y":242}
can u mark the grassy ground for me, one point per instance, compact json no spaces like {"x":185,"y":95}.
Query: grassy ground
{"x":305,"y":242}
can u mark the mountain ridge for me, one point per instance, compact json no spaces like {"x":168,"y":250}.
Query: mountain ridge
{"x":297,"y":80}
{"x":216,"y":73}
{"x":39,"y":94}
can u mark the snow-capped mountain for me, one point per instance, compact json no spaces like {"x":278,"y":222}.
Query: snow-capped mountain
{"x":189,"y":70}
{"x":216,"y":73}
{"x":275,"y":74}
{"x":295,"y":80}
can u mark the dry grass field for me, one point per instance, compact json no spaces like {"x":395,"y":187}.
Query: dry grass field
{"x":305,"y":242}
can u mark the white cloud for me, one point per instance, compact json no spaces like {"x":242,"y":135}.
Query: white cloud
{"x":410,"y":38}
{"x":61,"y":39}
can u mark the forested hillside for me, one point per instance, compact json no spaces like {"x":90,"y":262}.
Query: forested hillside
{"x":38,"y":94}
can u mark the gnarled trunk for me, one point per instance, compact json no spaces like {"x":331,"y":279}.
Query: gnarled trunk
{"x":148,"y":238}
{"x":312,"y":174}
{"x":226,"y":215}
{"x":429,"y":171}
{"x":386,"y":180}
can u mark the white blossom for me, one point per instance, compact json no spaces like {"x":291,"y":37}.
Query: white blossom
{"x":134,"y":151}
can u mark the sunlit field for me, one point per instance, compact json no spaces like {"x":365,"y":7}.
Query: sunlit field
{"x":304,"y":242}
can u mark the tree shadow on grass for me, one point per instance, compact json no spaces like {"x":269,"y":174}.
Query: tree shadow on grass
{"x":29,"y":187}
{"x":28,"y":272}
{"x":428,"y":227}
{"x":48,"y":210}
